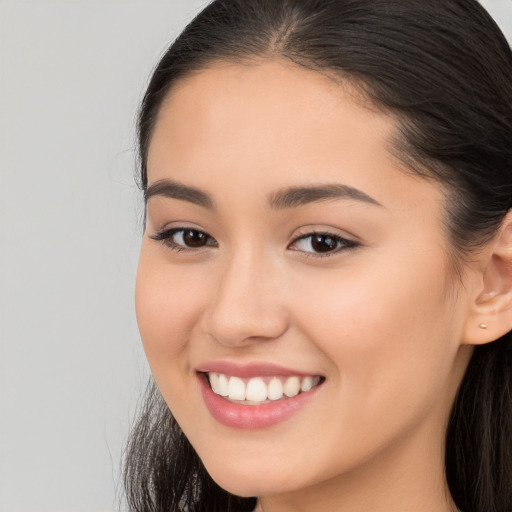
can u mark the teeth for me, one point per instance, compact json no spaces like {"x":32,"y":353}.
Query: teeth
{"x":236,"y":389}
{"x":306,"y":384}
{"x":275,"y":389}
{"x":223,"y":385}
{"x":257,"y":390}
{"x":291,"y":386}
{"x":214,"y":382}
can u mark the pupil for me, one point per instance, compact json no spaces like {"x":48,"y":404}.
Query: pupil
{"x":323,"y":243}
{"x":194,"y":238}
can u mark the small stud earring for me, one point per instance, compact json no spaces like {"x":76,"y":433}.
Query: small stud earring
{"x":483,"y":326}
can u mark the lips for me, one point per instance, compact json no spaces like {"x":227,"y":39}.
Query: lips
{"x":255,"y":396}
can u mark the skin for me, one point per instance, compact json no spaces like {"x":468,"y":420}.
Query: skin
{"x":385,"y":322}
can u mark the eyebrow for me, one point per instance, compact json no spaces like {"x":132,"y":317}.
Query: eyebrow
{"x":287,"y":198}
{"x":299,"y":196}
{"x":175,"y":190}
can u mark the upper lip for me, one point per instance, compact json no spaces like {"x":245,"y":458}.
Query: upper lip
{"x":248,"y":370}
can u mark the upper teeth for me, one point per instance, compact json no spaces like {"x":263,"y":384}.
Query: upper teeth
{"x":259,"y":389}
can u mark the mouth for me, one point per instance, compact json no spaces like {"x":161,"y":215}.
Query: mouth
{"x":255,"y":395}
{"x":260,"y":390}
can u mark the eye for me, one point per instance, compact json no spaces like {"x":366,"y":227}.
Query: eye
{"x":321,"y":244}
{"x":183,"y":239}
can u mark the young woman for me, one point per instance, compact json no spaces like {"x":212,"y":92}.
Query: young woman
{"x":324,"y":291}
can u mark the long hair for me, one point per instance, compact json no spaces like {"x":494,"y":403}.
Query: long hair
{"x":443,"y":70}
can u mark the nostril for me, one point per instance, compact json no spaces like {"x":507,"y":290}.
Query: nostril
{"x":236,"y":328}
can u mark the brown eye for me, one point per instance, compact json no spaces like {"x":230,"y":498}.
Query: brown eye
{"x":182,"y":239}
{"x":194,"y":238}
{"x":323,"y":243}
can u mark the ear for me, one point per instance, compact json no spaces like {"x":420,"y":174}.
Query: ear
{"x":490,"y":314}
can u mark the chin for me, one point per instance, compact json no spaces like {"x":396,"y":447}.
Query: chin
{"x":251,"y":481}
{"x":247,"y":487}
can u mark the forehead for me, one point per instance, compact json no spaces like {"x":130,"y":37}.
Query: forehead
{"x":271,"y":92}
{"x":269,"y":124}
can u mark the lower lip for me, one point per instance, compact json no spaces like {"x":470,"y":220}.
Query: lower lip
{"x":252,"y":417}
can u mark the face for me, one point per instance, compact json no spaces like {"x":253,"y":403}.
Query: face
{"x":287,"y":253}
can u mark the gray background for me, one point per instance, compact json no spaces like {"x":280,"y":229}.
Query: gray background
{"x":71,"y":366}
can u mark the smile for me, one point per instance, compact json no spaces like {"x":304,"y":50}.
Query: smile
{"x":255,"y":396}
{"x":260,"y":390}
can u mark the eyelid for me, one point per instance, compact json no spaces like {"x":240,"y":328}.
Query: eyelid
{"x":307,"y":232}
{"x":166,"y":234}
{"x":319,"y":229}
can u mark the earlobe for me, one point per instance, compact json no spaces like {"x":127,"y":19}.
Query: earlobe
{"x":491,"y":309}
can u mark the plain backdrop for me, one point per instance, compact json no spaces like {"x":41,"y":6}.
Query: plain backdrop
{"x":71,"y":366}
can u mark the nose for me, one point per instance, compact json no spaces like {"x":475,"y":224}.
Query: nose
{"x":246,"y":308}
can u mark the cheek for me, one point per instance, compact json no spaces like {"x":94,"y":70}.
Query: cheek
{"x":389,"y":335}
{"x":167,"y":304}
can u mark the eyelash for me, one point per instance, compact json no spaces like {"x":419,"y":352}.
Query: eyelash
{"x":342,"y":244}
{"x":167,"y":235}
